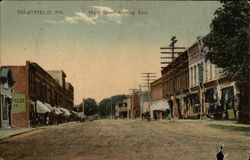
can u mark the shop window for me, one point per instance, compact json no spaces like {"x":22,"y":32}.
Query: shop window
{"x":210,"y":96}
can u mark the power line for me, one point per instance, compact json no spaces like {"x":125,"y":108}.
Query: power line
{"x":148,"y":79}
{"x":173,"y":53}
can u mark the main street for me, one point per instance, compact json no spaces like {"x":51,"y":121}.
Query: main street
{"x":130,"y":139}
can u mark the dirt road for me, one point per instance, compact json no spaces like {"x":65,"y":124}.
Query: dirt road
{"x":128,"y":140}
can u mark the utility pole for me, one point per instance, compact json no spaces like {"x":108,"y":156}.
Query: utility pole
{"x":173,"y":53}
{"x":148,"y":79}
{"x":141,"y":107}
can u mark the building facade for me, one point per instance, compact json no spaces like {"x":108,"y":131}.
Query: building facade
{"x":175,"y":79}
{"x":156,"y":90}
{"x":135,"y":105}
{"x":121,"y":110}
{"x":6,"y":91}
{"x":219,"y":94}
{"x":34,"y":84}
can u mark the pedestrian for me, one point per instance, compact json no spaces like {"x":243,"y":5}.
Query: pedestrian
{"x":220,"y":155}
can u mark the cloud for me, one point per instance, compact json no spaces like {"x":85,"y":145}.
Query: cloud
{"x":80,"y":16}
{"x":112,"y":15}
{"x":86,"y":18}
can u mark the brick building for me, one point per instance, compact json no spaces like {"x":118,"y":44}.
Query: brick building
{"x":34,"y":84}
{"x":65,"y":89}
{"x":175,"y":79}
{"x":135,"y":105}
{"x":156,"y":90}
{"x":159,"y":107}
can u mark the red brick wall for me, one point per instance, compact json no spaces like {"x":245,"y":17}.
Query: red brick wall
{"x":20,"y":75}
{"x":136,"y":105}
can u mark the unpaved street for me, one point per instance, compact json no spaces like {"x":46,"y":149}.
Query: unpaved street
{"x":128,"y":139}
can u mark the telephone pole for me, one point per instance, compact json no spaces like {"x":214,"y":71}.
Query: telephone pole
{"x":148,"y":79}
{"x":173,"y":53}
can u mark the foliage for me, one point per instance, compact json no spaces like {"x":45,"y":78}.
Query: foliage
{"x":90,"y":107}
{"x":228,"y":41}
{"x":107,"y":106}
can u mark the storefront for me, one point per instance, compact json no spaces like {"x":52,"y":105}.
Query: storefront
{"x":213,"y":108}
{"x":194,"y":104}
{"x":160,"y":109}
{"x":228,"y":101}
{"x":6,"y":83}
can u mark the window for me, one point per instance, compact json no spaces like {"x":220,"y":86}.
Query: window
{"x":191,"y":76}
{"x":195,"y":77}
{"x":211,"y":71}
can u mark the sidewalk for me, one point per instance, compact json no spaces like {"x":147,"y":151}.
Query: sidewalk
{"x":8,"y":132}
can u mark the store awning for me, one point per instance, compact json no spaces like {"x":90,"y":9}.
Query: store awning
{"x":41,"y":108}
{"x":65,"y":111}
{"x":57,"y":111}
{"x":160,"y":105}
{"x":49,"y":106}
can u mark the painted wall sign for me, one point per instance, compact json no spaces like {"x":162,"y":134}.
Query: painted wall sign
{"x":18,"y":103}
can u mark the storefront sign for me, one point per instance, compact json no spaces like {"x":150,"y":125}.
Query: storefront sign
{"x":18,"y":103}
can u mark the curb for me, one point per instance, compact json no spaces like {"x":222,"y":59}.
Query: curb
{"x":12,"y":135}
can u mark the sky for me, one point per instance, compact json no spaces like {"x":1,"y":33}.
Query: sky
{"x":102,"y":46}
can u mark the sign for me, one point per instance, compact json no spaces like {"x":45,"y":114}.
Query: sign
{"x":18,"y":103}
{"x":230,"y":113}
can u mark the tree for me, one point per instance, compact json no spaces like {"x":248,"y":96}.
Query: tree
{"x":228,"y":43}
{"x":90,"y":107}
{"x":107,"y":106}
